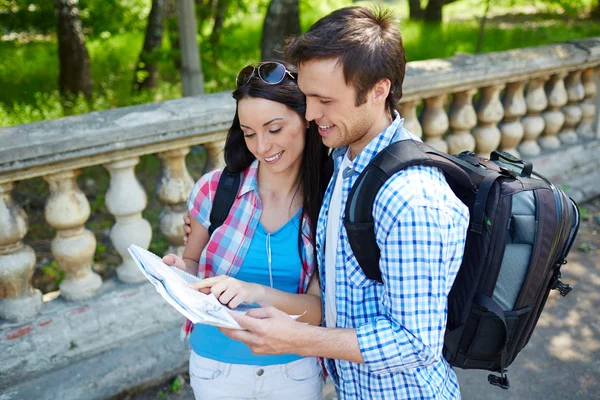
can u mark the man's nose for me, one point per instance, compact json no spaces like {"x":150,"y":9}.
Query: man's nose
{"x":313,"y":111}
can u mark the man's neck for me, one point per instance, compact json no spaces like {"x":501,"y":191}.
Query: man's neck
{"x":380,"y":124}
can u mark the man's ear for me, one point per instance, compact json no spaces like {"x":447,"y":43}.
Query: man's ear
{"x":380,"y":91}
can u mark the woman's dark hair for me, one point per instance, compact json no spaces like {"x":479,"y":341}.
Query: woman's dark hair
{"x":314,"y":157}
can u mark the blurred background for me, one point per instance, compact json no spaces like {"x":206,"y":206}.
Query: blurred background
{"x":128,"y":51}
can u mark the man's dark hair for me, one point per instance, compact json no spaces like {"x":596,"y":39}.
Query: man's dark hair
{"x":238,"y":157}
{"x":366,"y":42}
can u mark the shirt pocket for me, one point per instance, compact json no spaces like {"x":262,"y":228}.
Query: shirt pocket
{"x":355,"y":274}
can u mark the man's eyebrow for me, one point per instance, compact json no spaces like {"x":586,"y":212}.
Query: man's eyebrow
{"x":265,"y":124}
{"x":318,"y":96}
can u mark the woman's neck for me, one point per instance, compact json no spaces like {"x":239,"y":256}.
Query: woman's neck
{"x":281,"y":186}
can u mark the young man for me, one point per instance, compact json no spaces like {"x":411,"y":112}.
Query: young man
{"x":380,"y":341}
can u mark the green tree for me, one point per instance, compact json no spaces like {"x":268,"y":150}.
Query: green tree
{"x":146,"y":73}
{"x":75,"y":76}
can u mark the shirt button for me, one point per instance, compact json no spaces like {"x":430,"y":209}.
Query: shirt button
{"x":260,"y":372}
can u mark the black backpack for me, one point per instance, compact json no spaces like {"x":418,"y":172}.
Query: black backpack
{"x":520,"y":232}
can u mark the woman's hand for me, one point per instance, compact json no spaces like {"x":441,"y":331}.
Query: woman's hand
{"x":174,"y":260}
{"x":230,"y":291}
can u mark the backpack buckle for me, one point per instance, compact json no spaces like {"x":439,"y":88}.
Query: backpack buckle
{"x":508,"y":172}
{"x":557,"y":284}
{"x":563,"y":288}
{"x":500,"y":381}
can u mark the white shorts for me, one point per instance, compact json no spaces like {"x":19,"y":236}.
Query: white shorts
{"x":214,"y":380}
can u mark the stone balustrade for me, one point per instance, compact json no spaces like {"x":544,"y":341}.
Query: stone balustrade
{"x":538,"y":103}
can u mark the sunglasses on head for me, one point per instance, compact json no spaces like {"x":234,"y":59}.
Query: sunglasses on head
{"x":269,"y":72}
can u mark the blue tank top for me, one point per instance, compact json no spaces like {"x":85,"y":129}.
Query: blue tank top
{"x":207,"y":341}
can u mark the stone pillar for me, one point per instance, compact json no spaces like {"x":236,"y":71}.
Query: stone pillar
{"x":19,"y":301}
{"x":462,"y":119}
{"x":511,"y":127}
{"x":173,"y":189}
{"x":489,"y":113}
{"x":126,"y":199}
{"x":572,"y":111}
{"x":434,"y":121}
{"x":408,"y":111}
{"x":588,"y":106}
{"x":533,"y":123}
{"x":553,"y":117}
{"x":214,"y":155}
{"x":67,"y":209}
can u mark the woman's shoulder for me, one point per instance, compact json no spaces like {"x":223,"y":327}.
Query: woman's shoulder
{"x":206,"y":186}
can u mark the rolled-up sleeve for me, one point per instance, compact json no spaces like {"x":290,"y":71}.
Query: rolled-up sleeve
{"x":420,"y":256}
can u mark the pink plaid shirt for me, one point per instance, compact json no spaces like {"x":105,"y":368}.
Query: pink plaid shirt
{"x":229,"y":243}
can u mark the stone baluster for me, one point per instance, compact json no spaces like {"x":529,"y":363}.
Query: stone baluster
{"x":511,"y":127}
{"x":408,"y":111}
{"x":463,"y":118}
{"x":214,"y":155}
{"x":435,"y":123}
{"x":173,"y":189}
{"x":572,"y":111}
{"x":19,"y":301}
{"x":126,"y":199}
{"x":73,"y":247}
{"x":553,"y":117}
{"x":533,"y":122}
{"x":588,"y":106}
{"x":489,"y":113}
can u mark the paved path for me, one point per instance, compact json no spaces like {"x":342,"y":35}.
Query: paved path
{"x":562,"y":359}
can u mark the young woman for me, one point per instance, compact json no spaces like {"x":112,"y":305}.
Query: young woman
{"x":263,"y":253}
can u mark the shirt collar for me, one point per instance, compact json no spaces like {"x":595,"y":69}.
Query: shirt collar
{"x":250,"y":179}
{"x":393,"y":133}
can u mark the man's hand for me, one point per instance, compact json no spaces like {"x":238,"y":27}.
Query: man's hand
{"x":268,"y":331}
{"x":187,"y":227}
{"x":230,"y":291}
{"x":174,"y":260}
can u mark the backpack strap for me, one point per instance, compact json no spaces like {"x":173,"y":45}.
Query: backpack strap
{"x":227,"y":189}
{"x":358,"y":218}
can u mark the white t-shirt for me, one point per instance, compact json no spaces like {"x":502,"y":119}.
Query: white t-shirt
{"x":331,"y":243}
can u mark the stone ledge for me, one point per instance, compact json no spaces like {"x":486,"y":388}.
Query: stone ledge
{"x":143,"y":361}
{"x":575,"y":169}
{"x":65,"y":333}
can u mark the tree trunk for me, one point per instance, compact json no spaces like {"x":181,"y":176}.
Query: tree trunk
{"x":219,"y":19}
{"x":482,"y":27}
{"x":595,"y":13}
{"x":282,"y":20}
{"x":191,"y":70}
{"x":75,"y":76}
{"x":433,"y":11}
{"x":415,"y":10}
{"x":146,"y":72}
{"x":172,"y":26}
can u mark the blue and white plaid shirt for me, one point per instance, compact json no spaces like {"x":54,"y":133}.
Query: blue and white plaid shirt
{"x":420,"y":227}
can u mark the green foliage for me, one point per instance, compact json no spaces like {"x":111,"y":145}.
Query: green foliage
{"x":53,"y":273}
{"x":29,"y":69}
{"x":97,"y":16}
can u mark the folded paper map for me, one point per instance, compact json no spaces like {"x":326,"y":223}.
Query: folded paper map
{"x":172,"y":284}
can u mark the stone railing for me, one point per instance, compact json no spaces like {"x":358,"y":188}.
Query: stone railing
{"x":540,"y":103}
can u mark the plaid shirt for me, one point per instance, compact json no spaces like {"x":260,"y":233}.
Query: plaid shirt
{"x":229,"y":243}
{"x":420,"y":227}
